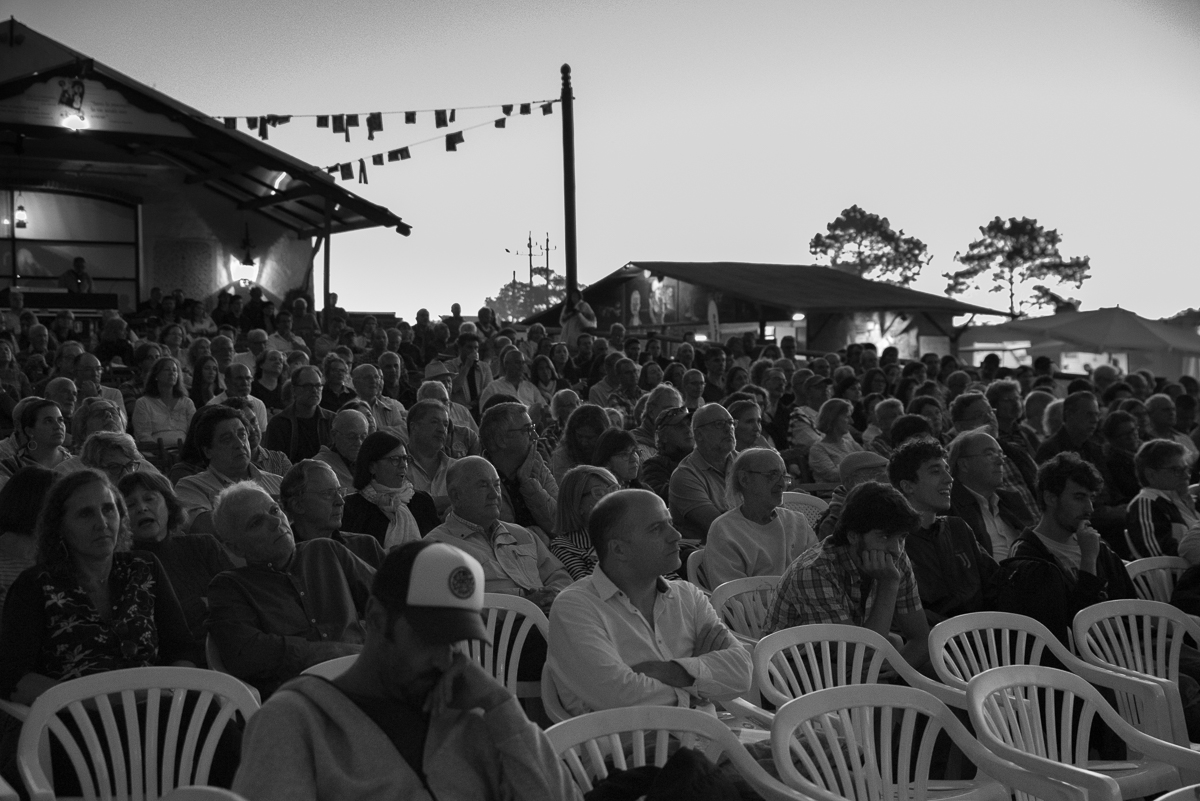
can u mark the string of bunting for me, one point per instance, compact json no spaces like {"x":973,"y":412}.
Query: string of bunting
{"x":342,"y":123}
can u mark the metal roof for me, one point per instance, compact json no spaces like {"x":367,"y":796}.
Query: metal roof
{"x":235,"y":165}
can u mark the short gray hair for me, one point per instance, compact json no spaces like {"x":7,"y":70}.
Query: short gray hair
{"x":101,"y":442}
{"x":226,"y":503}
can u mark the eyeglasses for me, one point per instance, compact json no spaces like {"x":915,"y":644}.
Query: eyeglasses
{"x":728,"y":425}
{"x":120,"y":469}
{"x":331,"y":494}
{"x":395,"y":461}
{"x":990,"y":453}
{"x":528,"y":430}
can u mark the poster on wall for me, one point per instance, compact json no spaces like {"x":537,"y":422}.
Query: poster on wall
{"x":83,"y":104}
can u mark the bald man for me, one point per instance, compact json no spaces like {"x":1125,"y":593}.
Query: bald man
{"x":698,"y":484}
{"x":625,"y":636}
{"x":515,"y":560}
{"x":349,"y":430}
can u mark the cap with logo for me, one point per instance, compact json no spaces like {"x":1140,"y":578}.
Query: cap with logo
{"x":437,"y":587}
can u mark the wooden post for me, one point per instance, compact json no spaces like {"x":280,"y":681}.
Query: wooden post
{"x":568,"y":118}
{"x":328,"y":242}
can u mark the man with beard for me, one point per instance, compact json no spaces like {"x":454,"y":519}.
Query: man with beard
{"x":860,"y":576}
{"x":412,"y":717}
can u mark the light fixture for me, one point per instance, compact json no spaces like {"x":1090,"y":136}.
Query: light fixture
{"x":75,"y":122}
{"x":247,"y":259}
{"x":797,"y":317}
{"x":21,"y":217}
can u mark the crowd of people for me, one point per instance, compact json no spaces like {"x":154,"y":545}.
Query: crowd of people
{"x":259,"y":490}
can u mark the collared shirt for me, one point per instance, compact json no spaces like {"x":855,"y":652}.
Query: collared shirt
{"x":390,"y":416}
{"x":802,"y":427}
{"x":260,"y":408}
{"x":341,"y":468}
{"x":198,"y":493}
{"x":270,"y":624}
{"x":434,"y":483}
{"x":292,"y":342}
{"x":597,"y":634}
{"x":513,"y":558}
{"x":1001,"y":534}
{"x":825,"y":586}
{"x":694,"y":484}
{"x":526,"y":393}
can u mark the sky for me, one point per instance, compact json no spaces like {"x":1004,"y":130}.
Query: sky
{"x":709,"y":131}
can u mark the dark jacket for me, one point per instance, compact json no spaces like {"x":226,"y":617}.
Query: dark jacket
{"x":283,"y":435}
{"x":1032,"y":582}
{"x":954,"y":572}
{"x":964,"y":504}
{"x":364,"y":517}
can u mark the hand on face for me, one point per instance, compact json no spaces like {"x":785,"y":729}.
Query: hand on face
{"x":880,"y":565}
{"x":466,"y":685}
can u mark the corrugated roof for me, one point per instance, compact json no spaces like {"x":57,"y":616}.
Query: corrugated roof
{"x":235,"y":165}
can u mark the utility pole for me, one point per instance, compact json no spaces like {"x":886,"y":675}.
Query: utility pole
{"x":568,"y":123}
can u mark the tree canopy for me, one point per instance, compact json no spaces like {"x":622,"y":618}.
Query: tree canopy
{"x":517,"y":300}
{"x":865,"y":244}
{"x":1011,"y":253}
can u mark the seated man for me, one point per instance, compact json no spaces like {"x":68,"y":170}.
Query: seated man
{"x":388,"y":413}
{"x":314,"y":503}
{"x":625,"y":636}
{"x":239,"y":380}
{"x":697,"y":489}
{"x":673,"y":441}
{"x":349,"y":430}
{"x":462,"y":432}
{"x":513,"y":382}
{"x":529,"y":492}
{"x":428,"y":462}
{"x":995,"y":513}
{"x":411,"y":718}
{"x":952,"y":568}
{"x":292,"y":605}
{"x":860,"y":576}
{"x":303,"y":426}
{"x":224,"y":443}
{"x":515,"y":560}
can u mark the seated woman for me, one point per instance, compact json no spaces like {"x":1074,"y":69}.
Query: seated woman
{"x":92,"y":415}
{"x":41,"y":432}
{"x":748,"y":431}
{"x":205,"y":381}
{"x":190,"y":560}
{"x":833,"y":420}
{"x":578,"y":492}
{"x":268,"y":381}
{"x":385,"y":505}
{"x":20,"y":502}
{"x":164,"y":410}
{"x":113,"y":453}
{"x":584,"y":427}
{"x":617,"y":452}
{"x":759,"y":536}
{"x":14,"y":383}
{"x":546,"y":378}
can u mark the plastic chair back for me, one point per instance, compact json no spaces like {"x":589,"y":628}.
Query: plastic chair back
{"x":508,"y":620}
{"x":198,"y":793}
{"x":803,"y":659}
{"x":695,"y":569}
{"x":618,"y":739}
{"x":743,"y":604}
{"x":810,"y":506}
{"x":330,"y":668}
{"x":877,"y":741}
{"x":550,"y":700}
{"x":1155,"y":576}
{"x":135,"y":769}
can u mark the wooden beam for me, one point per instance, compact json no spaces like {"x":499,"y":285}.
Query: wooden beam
{"x":222,"y":172}
{"x":262,"y":202}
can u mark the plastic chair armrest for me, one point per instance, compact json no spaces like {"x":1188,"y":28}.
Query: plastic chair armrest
{"x":741,"y":708}
{"x":18,"y":711}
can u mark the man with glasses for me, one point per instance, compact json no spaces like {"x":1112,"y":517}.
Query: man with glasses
{"x":349,"y":430}
{"x":697,"y":494}
{"x":303,"y":427}
{"x":88,"y":373}
{"x":388,"y":413}
{"x":239,"y":380}
{"x":513,"y":382}
{"x":529,"y":494}
{"x":673,"y":440}
{"x":221,"y":438}
{"x":428,"y":433}
{"x":256,"y":341}
{"x":1163,"y":511}
{"x":995,"y":514}
{"x":315,"y":501}
{"x":463,"y":437}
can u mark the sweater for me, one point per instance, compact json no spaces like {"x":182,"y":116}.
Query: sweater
{"x":310,"y":742}
{"x":738,"y":548}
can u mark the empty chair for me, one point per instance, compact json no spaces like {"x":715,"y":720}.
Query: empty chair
{"x":509,"y":620}
{"x":1155,"y":576}
{"x":966,"y":645}
{"x":205,"y":700}
{"x":865,"y":743}
{"x":810,"y":506}
{"x":647,"y":735}
{"x":1041,"y":719}
{"x":743,"y":605}
{"x":1139,"y":638}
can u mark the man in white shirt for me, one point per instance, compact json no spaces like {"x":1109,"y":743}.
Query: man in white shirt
{"x":239,"y":379}
{"x":389,"y":414}
{"x":625,"y":636}
{"x":513,"y":383}
{"x":283,"y":339}
{"x":256,"y":341}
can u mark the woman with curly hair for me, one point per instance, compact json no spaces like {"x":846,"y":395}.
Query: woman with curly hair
{"x":164,"y":410}
{"x":578,"y":443}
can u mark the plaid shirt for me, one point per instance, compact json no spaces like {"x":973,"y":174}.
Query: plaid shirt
{"x":824,"y":585}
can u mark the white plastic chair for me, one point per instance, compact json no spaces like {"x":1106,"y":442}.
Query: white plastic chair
{"x":1141,"y":639}
{"x":330,"y":668}
{"x":871,"y":742}
{"x":803,"y":659}
{"x":7,"y":793}
{"x":1189,"y":793}
{"x":197,"y":793}
{"x":965,"y":645}
{"x":165,"y":689}
{"x":550,"y":700}
{"x":508,"y":620}
{"x":1154,"y":577}
{"x":810,"y":506}
{"x":695,"y":565}
{"x":1041,"y":719}
{"x":744,"y":604}
{"x":643,"y":735}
